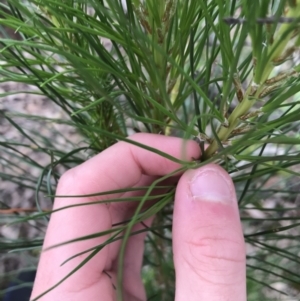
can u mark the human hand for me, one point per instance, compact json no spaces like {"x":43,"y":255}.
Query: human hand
{"x":208,"y":244}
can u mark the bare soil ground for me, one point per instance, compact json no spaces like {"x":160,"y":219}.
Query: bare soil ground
{"x":15,"y":199}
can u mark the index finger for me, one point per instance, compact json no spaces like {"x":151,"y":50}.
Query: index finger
{"x":123,"y":164}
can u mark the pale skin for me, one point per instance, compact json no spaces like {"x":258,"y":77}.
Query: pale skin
{"x":208,"y":245}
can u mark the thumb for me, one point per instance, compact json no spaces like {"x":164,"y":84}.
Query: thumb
{"x":208,"y":243}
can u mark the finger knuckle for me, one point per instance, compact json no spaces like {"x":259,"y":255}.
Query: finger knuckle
{"x":211,"y":255}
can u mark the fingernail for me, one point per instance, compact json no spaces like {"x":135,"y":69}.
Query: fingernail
{"x":212,"y":185}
